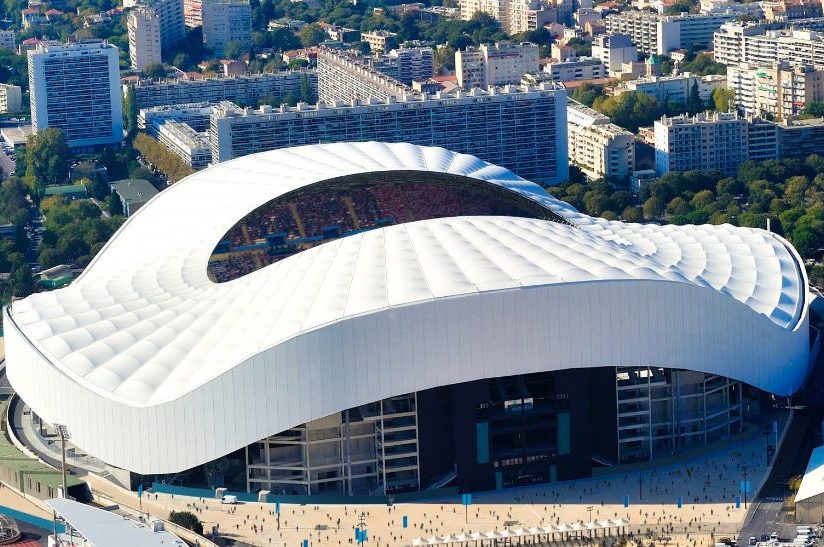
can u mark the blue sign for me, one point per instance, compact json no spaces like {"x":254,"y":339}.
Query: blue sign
{"x":745,"y":487}
{"x":680,"y":501}
{"x":738,"y":502}
{"x":626,"y":501}
{"x":405,"y":521}
{"x":360,"y":535}
{"x":466,"y":499}
{"x":140,"y":490}
{"x":305,"y":543}
{"x":277,"y":507}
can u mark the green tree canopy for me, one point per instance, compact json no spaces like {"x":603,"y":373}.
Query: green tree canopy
{"x":723,"y":99}
{"x":187,"y":520}
{"x":47,"y":158}
{"x":312,"y":35}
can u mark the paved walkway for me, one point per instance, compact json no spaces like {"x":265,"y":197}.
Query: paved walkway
{"x":708,"y":486}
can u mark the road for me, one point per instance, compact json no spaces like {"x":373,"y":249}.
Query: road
{"x":6,"y":164}
{"x":767,"y":513}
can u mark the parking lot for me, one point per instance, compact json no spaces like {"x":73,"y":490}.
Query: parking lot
{"x":8,"y":159}
{"x":788,"y":536}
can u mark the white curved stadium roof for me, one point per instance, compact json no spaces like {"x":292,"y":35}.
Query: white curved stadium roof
{"x":143,"y":344}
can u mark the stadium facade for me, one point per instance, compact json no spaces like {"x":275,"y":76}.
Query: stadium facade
{"x":377,"y":318}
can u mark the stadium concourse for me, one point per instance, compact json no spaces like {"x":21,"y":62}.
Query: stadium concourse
{"x":708,"y":485}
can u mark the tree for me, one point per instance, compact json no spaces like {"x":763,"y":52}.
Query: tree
{"x":633,"y":214}
{"x":583,"y":48}
{"x":21,"y":281}
{"x":233,"y":49}
{"x":154,"y":71}
{"x":283,"y":39}
{"x":587,"y":93}
{"x":630,"y":109}
{"x":47,"y":157}
{"x":115,"y":206}
{"x":183,"y":61}
{"x":160,"y":156}
{"x":187,"y":520}
{"x":129,"y":113}
{"x":307,"y":95}
{"x":702,"y":65}
{"x":49,"y":257}
{"x":814,"y":109}
{"x":312,"y":35}
{"x":723,"y":99}
{"x":694,"y":102}
{"x":99,"y":190}
{"x":653,"y":208}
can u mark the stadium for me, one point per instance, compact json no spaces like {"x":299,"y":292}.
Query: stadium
{"x":370,"y":318}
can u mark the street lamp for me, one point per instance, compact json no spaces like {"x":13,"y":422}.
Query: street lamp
{"x":63,"y":431}
{"x":589,"y":508}
{"x":744,"y":469}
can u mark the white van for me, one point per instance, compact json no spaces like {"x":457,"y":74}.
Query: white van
{"x":228,"y":500}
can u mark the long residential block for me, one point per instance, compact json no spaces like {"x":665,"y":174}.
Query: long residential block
{"x":521,"y":128}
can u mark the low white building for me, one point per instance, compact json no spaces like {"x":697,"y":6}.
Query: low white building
{"x":614,"y":50}
{"x":186,"y":143}
{"x":7,"y":39}
{"x":11,"y":99}
{"x":378,"y":40}
{"x":675,"y":88}
{"x":596,"y":145}
{"x":582,"y":68}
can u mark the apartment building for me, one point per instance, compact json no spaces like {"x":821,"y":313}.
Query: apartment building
{"x":499,"y":64}
{"x":193,"y":13}
{"x":675,"y":88}
{"x":582,"y":68}
{"x":786,"y":10}
{"x":596,"y":145}
{"x":245,"y":89}
{"x":191,"y":146}
{"x":349,"y":77}
{"x":656,"y":33}
{"x":76,"y":88}
{"x":764,"y":45}
{"x":520,"y":15}
{"x":7,"y":39}
{"x":143,"y":25}
{"x":522,"y":129}
{"x":226,"y":21}
{"x":171,"y":22}
{"x":195,"y":115}
{"x":379,"y":40}
{"x":11,"y":99}
{"x":704,"y":142}
{"x":614,"y":50}
{"x":777,"y":92}
{"x":414,"y":64}
{"x":800,"y":138}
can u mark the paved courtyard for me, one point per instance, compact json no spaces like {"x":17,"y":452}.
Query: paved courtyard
{"x":708,"y":486}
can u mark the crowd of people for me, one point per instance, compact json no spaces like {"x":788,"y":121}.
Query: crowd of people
{"x":303,"y":219}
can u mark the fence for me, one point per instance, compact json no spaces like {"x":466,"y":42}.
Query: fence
{"x":160,"y":488}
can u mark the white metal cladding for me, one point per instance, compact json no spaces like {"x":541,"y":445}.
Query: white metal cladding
{"x":156,"y":369}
